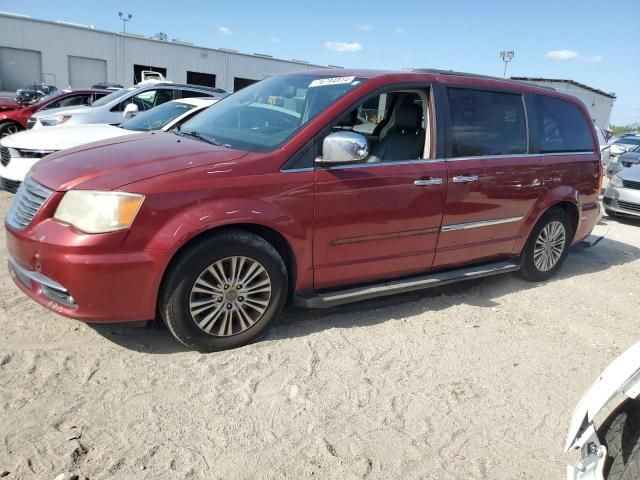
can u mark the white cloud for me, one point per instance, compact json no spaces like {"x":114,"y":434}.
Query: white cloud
{"x":365,"y":27}
{"x":571,"y":55}
{"x":398,"y":30}
{"x":343,"y":46}
{"x":225,"y":30}
{"x":561,"y":54}
{"x":274,"y":39}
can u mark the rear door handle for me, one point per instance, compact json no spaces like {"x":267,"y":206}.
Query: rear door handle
{"x":465,"y":179}
{"x":423,"y":182}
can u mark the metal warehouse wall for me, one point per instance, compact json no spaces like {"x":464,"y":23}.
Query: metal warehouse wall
{"x":56,"y":41}
{"x":599,"y":106}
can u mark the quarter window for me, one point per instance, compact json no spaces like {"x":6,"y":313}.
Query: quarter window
{"x":486,"y":123}
{"x":562,"y":126}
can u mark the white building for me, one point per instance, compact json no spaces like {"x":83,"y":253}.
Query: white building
{"x":70,"y":55}
{"x":598,"y":102}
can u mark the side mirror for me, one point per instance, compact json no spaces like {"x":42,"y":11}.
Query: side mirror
{"x":130,"y":111}
{"x":343,"y":147}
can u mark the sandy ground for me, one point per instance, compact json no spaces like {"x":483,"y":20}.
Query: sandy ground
{"x":474,"y":380}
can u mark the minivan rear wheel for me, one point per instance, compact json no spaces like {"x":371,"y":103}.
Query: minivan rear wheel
{"x":223,"y":291}
{"x":547,"y":246}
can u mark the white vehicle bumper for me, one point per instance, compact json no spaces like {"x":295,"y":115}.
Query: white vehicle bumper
{"x":14,"y":172}
{"x":622,"y":376}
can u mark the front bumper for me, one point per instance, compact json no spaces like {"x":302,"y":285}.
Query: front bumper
{"x":13,"y":173}
{"x":625,"y":201}
{"x":87,"y":277}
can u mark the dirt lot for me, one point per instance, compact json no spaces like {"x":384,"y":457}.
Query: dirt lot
{"x":475,"y":380}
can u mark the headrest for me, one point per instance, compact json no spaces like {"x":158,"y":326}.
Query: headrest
{"x":409,"y":117}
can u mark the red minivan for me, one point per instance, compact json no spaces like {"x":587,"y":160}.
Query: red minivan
{"x":318,"y":188}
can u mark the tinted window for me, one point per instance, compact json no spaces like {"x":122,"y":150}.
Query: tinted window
{"x":486,"y":123}
{"x":72,"y":101}
{"x":562,"y":126}
{"x":146,"y":100}
{"x":192,"y":94}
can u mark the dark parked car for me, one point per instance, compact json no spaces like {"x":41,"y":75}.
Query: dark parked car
{"x":272,"y":196}
{"x":13,"y":120}
{"x":32,"y":93}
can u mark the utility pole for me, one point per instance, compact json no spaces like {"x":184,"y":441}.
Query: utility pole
{"x":125,"y":19}
{"x":507,"y":56}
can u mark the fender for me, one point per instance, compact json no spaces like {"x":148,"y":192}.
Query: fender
{"x":563,"y":193}
{"x":621,"y":376}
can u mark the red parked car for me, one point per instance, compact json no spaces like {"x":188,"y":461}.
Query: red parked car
{"x":14,"y":116}
{"x":318,"y":188}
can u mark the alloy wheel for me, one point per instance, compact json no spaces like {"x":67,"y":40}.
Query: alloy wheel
{"x":230,"y":296}
{"x":549,"y":246}
{"x":10,"y":130}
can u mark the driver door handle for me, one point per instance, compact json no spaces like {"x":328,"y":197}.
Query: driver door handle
{"x":423,"y":182}
{"x":465,"y":179}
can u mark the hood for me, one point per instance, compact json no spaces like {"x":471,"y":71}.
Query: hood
{"x":61,"y":138}
{"x":110,"y":164}
{"x":632,"y":173}
{"x":621,"y":376}
{"x":66,"y":110}
{"x":7,"y":103}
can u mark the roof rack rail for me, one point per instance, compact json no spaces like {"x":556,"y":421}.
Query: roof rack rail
{"x":436,"y":71}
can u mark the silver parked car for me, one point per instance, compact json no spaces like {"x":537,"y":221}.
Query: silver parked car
{"x":626,"y":160}
{"x":622,"y":197}
{"x":122,"y":104}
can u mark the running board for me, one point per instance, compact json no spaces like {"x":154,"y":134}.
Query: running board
{"x":349,"y":295}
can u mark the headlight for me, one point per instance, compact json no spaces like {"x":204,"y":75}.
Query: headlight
{"x":98,"y":212}
{"x":616,"y":181}
{"x":54,"y":120}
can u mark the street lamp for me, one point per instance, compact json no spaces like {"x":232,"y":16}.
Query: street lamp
{"x":125,"y":19}
{"x":506,"y":56}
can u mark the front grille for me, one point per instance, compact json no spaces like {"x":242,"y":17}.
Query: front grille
{"x":31,"y":122}
{"x":634,"y":207}
{"x":28,"y":200}
{"x":5,"y":156}
{"x":10,"y":186}
{"x":631,"y":184}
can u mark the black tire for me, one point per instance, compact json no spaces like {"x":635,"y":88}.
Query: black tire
{"x":609,"y":212}
{"x":529,"y":271}
{"x":9,"y":128}
{"x":620,"y":433}
{"x":176,"y":292}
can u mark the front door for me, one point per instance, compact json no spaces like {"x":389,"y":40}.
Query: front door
{"x":380,"y":218}
{"x":493,"y":183}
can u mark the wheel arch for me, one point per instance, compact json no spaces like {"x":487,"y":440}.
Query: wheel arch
{"x":272,"y":236}
{"x":566,"y":201}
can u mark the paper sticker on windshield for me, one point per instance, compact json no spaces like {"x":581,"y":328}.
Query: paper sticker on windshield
{"x":323,"y":82}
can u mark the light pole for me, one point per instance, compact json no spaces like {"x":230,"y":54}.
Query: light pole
{"x":125,"y":19}
{"x":507,"y":56}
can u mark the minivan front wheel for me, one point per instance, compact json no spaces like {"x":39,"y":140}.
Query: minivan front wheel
{"x":547,"y":246}
{"x":223,"y":291}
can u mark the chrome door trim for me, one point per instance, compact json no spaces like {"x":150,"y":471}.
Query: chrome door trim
{"x":427,"y":181}
{"x":465,"y":179}
{"x":517,"y":155}
{"x":383,"y":164}
{"x":483,"y":223}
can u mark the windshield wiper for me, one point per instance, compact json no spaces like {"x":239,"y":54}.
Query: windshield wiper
{"x":200,"y":136}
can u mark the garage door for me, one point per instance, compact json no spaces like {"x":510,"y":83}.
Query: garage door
{"x":19,"y":68}
{"x":85,"y":72}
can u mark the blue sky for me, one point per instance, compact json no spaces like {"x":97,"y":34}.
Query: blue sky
{"x":586,"y":41}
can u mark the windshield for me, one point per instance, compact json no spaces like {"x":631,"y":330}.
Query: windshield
{"x":157,"y":117}
{"x":263,"y":116}
{"x":111,"y":96}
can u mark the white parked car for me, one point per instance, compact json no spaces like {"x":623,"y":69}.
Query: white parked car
{"x":21,"y":151}
{"x":113,"y":108}
{"x":610,"y":451}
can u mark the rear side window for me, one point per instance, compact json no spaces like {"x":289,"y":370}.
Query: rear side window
{"x":486,"y":123}
{"x":562,"y":126}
